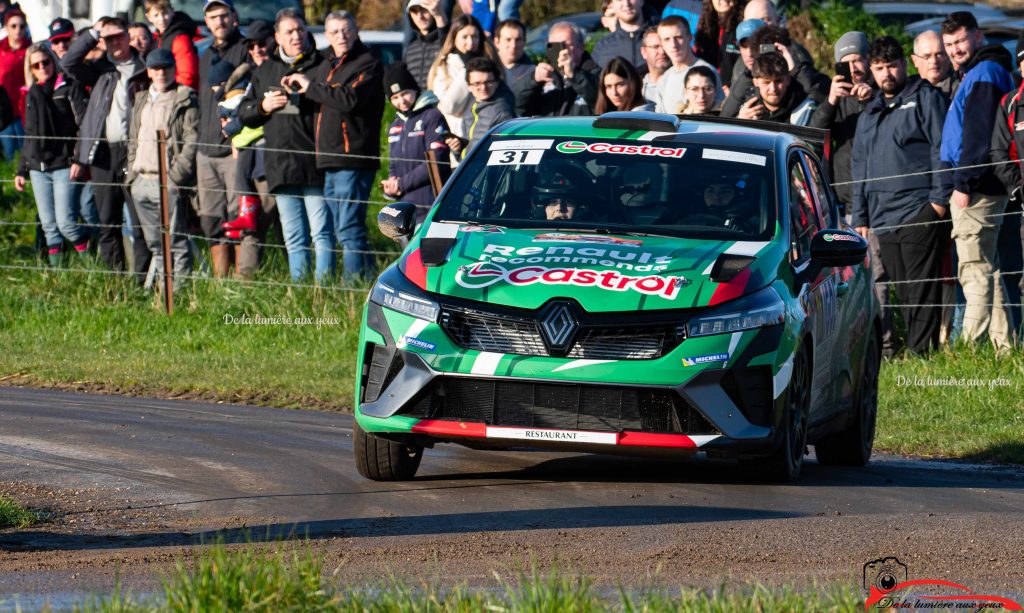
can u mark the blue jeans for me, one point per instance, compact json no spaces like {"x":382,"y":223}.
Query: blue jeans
{"x":305,"y":215}
{"x":508,"y":9}
{"x":57,"y":202}
{"x":10,"y":139}
{"x":347,"y":192}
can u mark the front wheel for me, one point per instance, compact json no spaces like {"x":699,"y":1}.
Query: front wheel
{"x":383,"y":460}
{"x":785,"y":464}
{"x":852,"y":446}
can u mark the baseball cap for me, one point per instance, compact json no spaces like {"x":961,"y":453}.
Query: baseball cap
{"x":258,"y":31}
{"x":747,"y":28}
{"x":851,"y":42}
{"x":215,"y":3}
{"x":61,"y":28}
{"x":159,"y":58}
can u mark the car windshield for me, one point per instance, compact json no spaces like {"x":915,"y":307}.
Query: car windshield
{"x":659,"y":187}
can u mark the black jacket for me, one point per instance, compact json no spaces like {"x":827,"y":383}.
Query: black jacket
{"x":351,"y":109}
{"x":290,"y":139}
{"x":898,"y":136}
{"x":519,"y":79}
{"x":573,"y":97}
{"x":101,"y":76}
{"x":621,"y":43}
{"x":1008,"y":141}
{"x":421,"y":51}
{"x":52,"y":109}
{"x":233,"y":50}
{"x":841,"y":122}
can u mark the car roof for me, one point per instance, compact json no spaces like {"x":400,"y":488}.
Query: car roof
{"x":696,"y":132}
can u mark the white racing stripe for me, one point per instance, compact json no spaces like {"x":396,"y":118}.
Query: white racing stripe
{"x":781,"y":379}
{"x":486,"y":363}
{"x":413,"y":331}
{"x":735,"y":340}
{"x":749,"y":248}
{"x":442,"y":230}
{"x":653,"y":134}
{"x":580,"y":364}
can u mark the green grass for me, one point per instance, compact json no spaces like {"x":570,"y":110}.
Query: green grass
{"x":294,"y":579}
{"x":13,"y":515}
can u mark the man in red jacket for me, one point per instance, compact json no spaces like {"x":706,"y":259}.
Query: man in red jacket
{"x":174,"y":31}
{"x":12,"y":76}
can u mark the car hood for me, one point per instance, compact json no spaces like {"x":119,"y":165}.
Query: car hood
{"x":602,"y":272}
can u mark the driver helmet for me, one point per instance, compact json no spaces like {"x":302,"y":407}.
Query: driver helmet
{"x":556,"y":193}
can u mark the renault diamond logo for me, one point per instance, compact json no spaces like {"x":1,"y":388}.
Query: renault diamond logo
{"x":558,"y":325}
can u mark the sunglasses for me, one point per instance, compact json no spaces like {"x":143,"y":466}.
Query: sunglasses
{"x":42,"y":64}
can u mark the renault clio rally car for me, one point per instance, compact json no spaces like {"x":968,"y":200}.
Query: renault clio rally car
{"x":632,"y":283}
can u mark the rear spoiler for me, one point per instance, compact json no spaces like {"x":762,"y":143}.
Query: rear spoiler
{"x":816,"y":138}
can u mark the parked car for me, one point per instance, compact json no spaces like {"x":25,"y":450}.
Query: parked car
{"x":633,"y":283}
{"x":904,"y":13}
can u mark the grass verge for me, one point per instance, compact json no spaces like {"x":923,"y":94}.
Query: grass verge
{"x":13,"y":515}
{"x":293,"y":579}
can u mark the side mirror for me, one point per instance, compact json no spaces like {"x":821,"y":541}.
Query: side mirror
{"x":838,"y":248}
{"x":397,"y":220}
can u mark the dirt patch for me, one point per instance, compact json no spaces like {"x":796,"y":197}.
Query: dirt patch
{"x":253,"y":397}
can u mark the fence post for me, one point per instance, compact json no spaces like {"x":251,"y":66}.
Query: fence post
{"x":433,"y":172}
{"x":165,"y":230}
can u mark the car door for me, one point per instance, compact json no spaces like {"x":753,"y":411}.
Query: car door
{"x":844,"y":328}
{"x":815,"y":287}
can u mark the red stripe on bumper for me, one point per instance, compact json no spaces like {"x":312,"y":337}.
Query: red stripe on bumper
{"x":442,"y":428}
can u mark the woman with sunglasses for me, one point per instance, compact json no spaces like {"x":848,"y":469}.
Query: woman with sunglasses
{"x":52,"y":103}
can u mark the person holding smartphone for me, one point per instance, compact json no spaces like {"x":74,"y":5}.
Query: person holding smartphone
{"x":779,"y":98}
{"x":567,"y":82}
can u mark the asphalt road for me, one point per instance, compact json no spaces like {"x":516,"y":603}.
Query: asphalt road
{"x":140,"y":480}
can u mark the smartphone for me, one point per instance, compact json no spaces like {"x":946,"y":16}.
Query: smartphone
{"x":843,"y":69}
{"x":766,"y":48}
{"x":553,"y":50}
{"x":292,"y":108}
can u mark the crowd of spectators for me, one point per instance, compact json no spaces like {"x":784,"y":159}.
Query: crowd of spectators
{"x":265,"y":128}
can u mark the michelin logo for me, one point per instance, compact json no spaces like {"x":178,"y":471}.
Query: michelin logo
{"x":705,"y":359}
{"x":415,"y":342}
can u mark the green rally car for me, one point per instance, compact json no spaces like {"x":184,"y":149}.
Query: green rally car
{"x":631,"y":283}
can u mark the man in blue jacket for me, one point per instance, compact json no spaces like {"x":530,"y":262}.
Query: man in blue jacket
{"x":899,"y":133}
{"x":978,"y":197}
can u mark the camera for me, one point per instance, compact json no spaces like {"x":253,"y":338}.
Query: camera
{"x":766,"y":48}
{"x":884,"y":573}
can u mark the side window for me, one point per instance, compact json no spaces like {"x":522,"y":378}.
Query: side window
{"x":804,"y":220}
{"x":821,"y":192}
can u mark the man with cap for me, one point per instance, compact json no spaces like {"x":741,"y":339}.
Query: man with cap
{"x":1008,"y":139}
{"x":173,"y":108}
{"x":259,"y":42}
{"x":418,"y":127}
{"x":215,"y":173}
{"x":744,"y":32}
{"x":426,"y":20}
{"x":102,"y":149}
{"x":978,"y":198}
{"x":838,"y":114}
{"x":61,"y":31}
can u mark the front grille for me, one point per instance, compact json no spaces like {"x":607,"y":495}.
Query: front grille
{"x":600,"y":408}
{"x":596,"y":340}
{"x":621,"y":344}
{"x":499,"y":334}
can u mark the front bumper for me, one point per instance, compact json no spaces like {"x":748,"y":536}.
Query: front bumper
{"x":416,"y":382}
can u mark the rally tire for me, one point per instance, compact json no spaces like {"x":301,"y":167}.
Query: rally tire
{"x":383,"y":460}
{"x":785,"y":463}
{"x":852,"y":446}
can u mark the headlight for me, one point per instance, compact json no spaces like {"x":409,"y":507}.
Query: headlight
{"x":396,"y":292}
{"x":759,"y":310}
